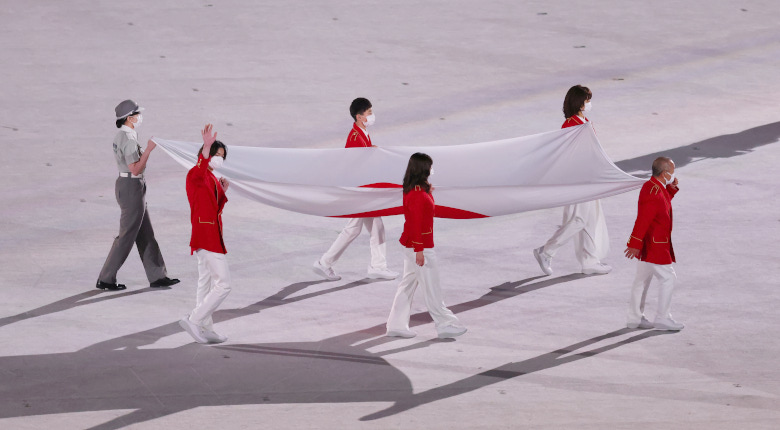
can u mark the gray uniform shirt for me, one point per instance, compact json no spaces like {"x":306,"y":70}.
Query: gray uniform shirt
{"x":126,"y":149}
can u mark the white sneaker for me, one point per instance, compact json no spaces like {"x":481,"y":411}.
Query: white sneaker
{"x":193,"y":329}
{"x":668,"y":324}
{"x":598,"y":269}
{"x":644,"y":324}
{"x":325,"y":272}
{"x":407,"y":334}
{"x":381,"y":273}
{"x":213,"y":337}
{"x":545,"y":261}
{"x":450,"y":331}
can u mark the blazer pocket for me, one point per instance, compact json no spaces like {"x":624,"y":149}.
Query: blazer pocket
{"x":201,"y":221}
{"x":665,"y":240}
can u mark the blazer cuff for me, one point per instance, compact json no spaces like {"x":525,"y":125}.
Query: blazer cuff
{"x":418,"y":246}
{"x":634,"y":242}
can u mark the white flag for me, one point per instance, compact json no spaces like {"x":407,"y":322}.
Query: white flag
{"x":502,"y":177}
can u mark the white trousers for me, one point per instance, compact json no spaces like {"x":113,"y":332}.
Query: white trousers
{"x":213,"y":286}
{"x":375,"y":228}
{"x":585,"y":223}
{"x":645,"y":272}
{"x":426,"y":276}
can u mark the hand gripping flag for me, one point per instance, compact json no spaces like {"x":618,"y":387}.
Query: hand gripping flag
{"x":502,"y":177}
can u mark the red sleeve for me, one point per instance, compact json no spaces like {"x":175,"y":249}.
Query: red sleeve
{"x":672,"y":191}
{"x":196,"y":178}
{"x":649,"y":205}
{"x":201,"y":166}
{"x":415,"y":205}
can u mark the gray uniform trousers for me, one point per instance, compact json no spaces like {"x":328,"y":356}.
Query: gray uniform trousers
{"x":135,"y":226}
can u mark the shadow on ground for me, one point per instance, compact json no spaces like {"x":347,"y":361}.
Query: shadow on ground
{"x":725,"y":146}
{"x":511,"y":370}
{"x":70,"y":303}
{"x":120,"y":374}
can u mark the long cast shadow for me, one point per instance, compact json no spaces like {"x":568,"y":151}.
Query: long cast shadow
{"x":504,"y":291}
{"x":511,"y":370}
{"x":152,"y":335}
{"x":725,"y":146}
{"x":120,"y":374}
{"x":500,"y":292}
{"x":158,"y":382}
{"x":69,"y":303}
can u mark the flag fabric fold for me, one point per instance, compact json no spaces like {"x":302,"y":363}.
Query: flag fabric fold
{"x":502,"y":177}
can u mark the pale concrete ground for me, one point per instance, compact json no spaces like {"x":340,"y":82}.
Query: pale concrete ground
{"x":694,"y":79}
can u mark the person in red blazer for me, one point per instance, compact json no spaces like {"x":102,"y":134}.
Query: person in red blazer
{"x":651,"y":243}
{"x":584,"y":223}
{"x":358,"y":136}
{"x":361,"y":111}
{"x":420,"y":262}
{"x":207,"y":198}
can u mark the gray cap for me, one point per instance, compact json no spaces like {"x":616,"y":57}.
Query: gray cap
{"x":126,"y":108}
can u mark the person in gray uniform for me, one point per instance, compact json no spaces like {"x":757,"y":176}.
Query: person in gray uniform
{"x":134,"y":223}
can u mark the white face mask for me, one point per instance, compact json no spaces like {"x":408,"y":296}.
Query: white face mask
{"x":671,"y":179}
{"x":370,"y":120}
{"x":431,"y":172}
{"x":138,"y":120}
{"x":587,"y":107}
{"x":216,"y":162}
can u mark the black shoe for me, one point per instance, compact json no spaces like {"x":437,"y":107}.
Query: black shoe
{"x":109,"y":286}
{"x":164,"y":282}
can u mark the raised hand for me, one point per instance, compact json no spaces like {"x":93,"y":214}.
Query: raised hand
{"x":208,"y":139}
{"x":150,"y":145}
{"x":209,"y":136}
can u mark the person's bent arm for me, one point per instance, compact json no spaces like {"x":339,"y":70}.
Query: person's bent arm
{"x":673,"y":188}
{"x":138,"y":167}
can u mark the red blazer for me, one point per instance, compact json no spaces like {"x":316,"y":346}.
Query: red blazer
{"x":653,"y":227}
{"x":573,"y":120}
{"x":418,"y":220}
{"x":357,"y":138}
{"x":207,"y":198}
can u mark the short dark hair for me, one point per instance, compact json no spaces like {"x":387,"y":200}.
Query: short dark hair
{"x":417,"y":172}
{"x":358,"y":107}
{"x":661,"y":164}
{"x":575,"y":98}
{"x":121,"y":121}
{"x":214,"y":148}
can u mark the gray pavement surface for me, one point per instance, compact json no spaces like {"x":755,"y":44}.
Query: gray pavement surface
{"x":696,"y":80}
